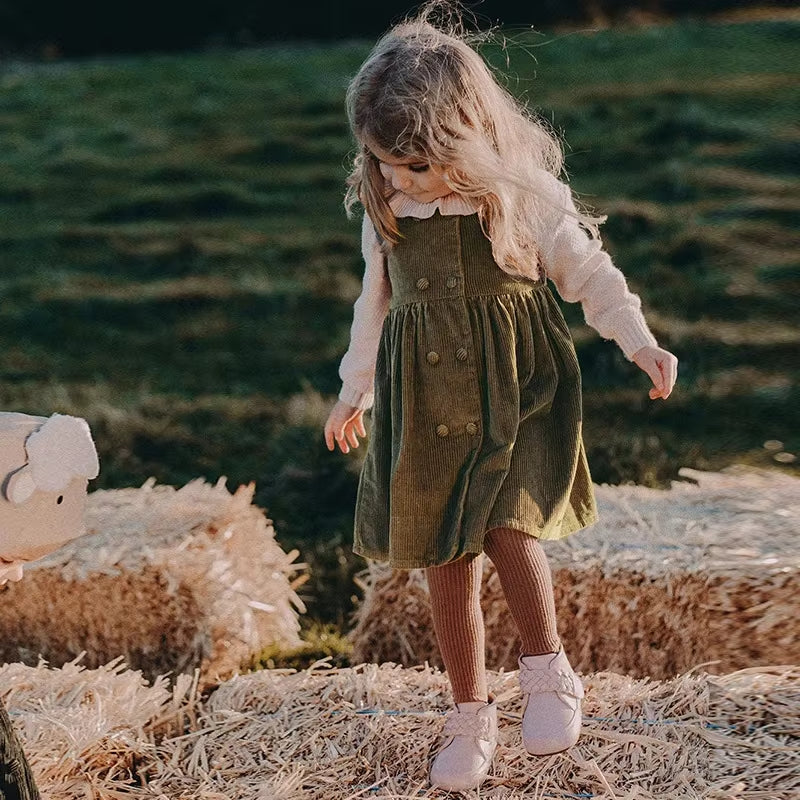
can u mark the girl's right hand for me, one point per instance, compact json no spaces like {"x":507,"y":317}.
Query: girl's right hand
{"x":344,"y":422}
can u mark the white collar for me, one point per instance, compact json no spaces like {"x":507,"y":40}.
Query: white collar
{"x":404,"y":206}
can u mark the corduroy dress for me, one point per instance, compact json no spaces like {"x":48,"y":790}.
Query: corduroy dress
{"x":476,"y":422}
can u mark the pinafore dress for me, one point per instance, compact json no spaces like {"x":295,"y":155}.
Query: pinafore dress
{"x":476,"y":421}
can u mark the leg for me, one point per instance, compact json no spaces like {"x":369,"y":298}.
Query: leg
{"x":551,"y":719}
{"x":455,"y":590}
{"x":524,"y":574}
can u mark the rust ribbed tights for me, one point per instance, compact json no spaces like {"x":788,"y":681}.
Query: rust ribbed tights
{"x":524,"y":574}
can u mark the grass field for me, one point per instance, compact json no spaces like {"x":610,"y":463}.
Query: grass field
{"x":176,"y":267}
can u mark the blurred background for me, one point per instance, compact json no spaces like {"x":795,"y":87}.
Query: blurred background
{"x":177,"y":268}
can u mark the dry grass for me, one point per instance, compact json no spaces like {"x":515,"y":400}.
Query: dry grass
{"x":368,"y":731}
{"x":85,"y":732}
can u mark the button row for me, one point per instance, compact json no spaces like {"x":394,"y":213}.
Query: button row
{"x":433,"y":357}
{"x":442,"y":430}
{"x":451,"y":283}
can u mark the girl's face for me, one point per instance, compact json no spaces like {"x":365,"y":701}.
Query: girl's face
{"x":418,"y":179}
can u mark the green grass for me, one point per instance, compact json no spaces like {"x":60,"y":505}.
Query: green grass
{"x":319,"y":641}
{"x":175,"y":264}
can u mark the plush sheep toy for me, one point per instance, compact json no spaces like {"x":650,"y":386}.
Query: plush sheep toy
{"x":45,"y":467}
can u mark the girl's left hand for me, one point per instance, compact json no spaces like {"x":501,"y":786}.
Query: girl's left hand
{"x":661,"y":366}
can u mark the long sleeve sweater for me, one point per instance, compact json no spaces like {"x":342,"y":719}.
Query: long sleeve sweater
{"x":577,"y":264}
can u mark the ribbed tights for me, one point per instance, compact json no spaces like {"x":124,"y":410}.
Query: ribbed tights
{"x":524,"y":574}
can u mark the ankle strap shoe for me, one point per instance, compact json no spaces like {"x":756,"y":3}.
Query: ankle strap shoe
{"x":465,"y":756}
{"x":551,"y":720}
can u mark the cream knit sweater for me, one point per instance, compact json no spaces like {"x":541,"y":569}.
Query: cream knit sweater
{"x":578,"y":266}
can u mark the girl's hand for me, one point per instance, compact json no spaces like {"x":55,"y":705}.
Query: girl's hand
{"x":344,"y":422}
{"x":661,"y":366}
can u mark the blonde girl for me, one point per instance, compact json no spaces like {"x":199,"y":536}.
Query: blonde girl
{"x":461,"y":350}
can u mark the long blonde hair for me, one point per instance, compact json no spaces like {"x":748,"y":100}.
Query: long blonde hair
{"x":424,"y":92}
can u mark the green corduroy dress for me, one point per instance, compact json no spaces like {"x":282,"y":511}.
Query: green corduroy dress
{"x":476,"y":422}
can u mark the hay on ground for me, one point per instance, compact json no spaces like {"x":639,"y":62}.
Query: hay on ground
{"x":86,"y":732}
{"x":368,"y":731}
{"x":666,"y":580}
{"x":169,"y":579}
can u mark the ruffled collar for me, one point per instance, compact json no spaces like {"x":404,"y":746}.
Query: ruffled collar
{"x":404,"y":206}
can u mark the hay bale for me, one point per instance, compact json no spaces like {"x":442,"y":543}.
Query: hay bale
{"x":85,"y":732}
{"x":666,"y":580}
{"x":169,"y":579}
{"x":368,"y":731}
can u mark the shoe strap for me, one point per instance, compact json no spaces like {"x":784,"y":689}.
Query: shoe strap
{"x":458,"y":723}
{"x":535,"y":681}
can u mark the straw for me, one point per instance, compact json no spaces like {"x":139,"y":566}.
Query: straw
{"x":170,"y":579}
{"x":369,"y":731}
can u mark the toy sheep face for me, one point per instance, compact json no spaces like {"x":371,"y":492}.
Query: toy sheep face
{"x":44,"y":522}
{"x":47,"y":464}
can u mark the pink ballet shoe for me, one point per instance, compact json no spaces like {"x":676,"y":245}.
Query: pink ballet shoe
{"x":464,"y":759}
{"x":551,"y":721}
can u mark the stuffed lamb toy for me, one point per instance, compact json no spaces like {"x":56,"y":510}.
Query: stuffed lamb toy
{"x":45,"y":467}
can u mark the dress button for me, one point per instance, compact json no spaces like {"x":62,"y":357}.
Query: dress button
{"x":452,"y":282}
{"x":471,"y":428}
{"x":433,"y":357}
{"x":423,"y":283}
{"x":442,"y":430}
{"x":461,"y":354}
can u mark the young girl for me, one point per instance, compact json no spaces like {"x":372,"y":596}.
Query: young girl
{"x":461,"y":350}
